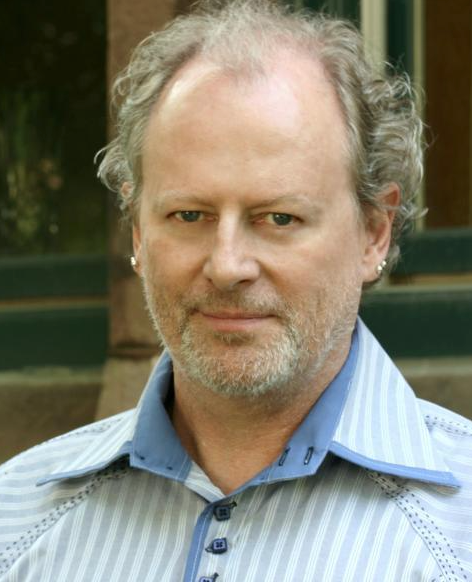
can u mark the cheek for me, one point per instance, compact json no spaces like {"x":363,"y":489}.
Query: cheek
{"x":323,"y":264}
{"x":170,"y":266}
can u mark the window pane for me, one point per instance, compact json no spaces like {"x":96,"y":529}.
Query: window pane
{"x":52,"y":121}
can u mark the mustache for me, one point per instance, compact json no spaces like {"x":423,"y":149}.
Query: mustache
{"x":237,"y":300}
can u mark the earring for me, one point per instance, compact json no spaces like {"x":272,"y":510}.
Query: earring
{"x":133,"y":261}
{"x":381,"y":267}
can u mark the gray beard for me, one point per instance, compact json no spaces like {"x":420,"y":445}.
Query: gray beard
{"x":258,"y":371}
{"x":298,"y":351}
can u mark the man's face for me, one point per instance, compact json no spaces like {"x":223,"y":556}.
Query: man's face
{"x":248,"y":238}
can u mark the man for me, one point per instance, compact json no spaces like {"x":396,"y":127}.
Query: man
{"x":268,"y":172}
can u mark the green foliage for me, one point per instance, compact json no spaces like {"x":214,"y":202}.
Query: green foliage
{"x":52,"y":122}
{"x":30,"y":171}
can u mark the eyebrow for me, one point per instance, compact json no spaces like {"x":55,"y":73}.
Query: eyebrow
{"x":176,"y":196}
{"x":290,"y":197}
{"x":190,"y":198}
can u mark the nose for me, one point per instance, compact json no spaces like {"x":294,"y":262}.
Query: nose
{"x":232,"y":260}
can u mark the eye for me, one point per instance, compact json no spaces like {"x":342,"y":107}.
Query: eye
{"x":189,"y":215}
{"x":280,"y":219}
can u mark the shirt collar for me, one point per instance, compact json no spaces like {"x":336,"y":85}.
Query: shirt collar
{"x":382,"y":426}
{"x":368,"y":415}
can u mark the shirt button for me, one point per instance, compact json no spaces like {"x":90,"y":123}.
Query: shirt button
{"x":208,"y":579}
{"x":223,"y":512}
{"x":218,"y":546}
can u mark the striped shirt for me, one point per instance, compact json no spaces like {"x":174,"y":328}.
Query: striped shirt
{"x":375,"y":485}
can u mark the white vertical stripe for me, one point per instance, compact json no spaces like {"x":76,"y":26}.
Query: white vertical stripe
{"x":116,"y":529}
{"x":366,"y":525}
{"x":75,"y":532}
{"x":286,"y":525}
{"x":326,"y":518}
{"x":385,"y":424}
{"x":97,"y":531}
{"x":345,"y":520}
{"x":300,"y":536}
{"x":382,"y":530}
{"x":267,"y":525}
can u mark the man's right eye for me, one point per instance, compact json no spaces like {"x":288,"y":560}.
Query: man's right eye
{"x":189,"y":215}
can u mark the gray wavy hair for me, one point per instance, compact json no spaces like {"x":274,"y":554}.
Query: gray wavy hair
{"x":384,"y":129}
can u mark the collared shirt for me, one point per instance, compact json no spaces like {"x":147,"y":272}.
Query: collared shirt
{"x":374,"y":485}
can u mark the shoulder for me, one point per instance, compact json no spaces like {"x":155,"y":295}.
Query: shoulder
{"x":445,"y":426}
{"x":452,"y":436}
{"x":440,"y":515}
{"x":51,"y":455}
{"x":29,"y":509}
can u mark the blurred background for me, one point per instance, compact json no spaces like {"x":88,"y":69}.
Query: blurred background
{"x":75,"y":343}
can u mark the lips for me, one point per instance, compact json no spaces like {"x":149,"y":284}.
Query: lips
{"x":234,"y":315}
{"x":233,"y":321}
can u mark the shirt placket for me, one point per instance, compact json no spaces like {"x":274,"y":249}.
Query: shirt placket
{"x":212,"y":543}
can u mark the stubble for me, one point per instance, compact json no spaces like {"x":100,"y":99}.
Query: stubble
{"x":295,"y":348}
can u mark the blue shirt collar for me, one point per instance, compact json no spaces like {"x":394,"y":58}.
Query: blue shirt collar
{"x":368,"y":415}
{"x":382,"y":427}
{"x":156,"y":447}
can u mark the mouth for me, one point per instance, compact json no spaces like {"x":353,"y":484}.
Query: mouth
{"x":234,"y":314}
{"x":234,"y":321}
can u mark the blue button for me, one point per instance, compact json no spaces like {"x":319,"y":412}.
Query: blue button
{"x":222,"y":512}
{"x":208,"y":578}
{"x":218,"y":546}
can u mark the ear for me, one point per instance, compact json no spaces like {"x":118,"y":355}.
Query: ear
{"x":137,"y":248}
{"x":126,"y":191}
{"x":378,"y":231}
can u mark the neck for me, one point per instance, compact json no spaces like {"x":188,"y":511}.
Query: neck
{"x":234,"y":438}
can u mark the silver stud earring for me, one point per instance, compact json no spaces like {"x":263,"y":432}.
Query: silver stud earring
{"x":381,"y":267}
{"x":133,"y":261}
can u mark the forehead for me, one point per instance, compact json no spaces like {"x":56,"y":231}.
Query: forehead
{"x":290,"y":93}
{"x":240,"y":133}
